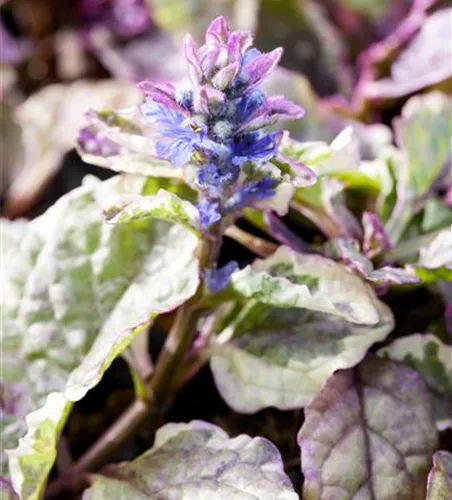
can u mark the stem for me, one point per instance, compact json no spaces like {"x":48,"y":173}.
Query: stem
{"x":160,"y":390}
{"x":257,"y":245}
{"x":177,"y":343}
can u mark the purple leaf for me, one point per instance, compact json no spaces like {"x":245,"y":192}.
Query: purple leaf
{"x":375,"y":239}
{"x":424,"y":61}
{"x":368,"y":433}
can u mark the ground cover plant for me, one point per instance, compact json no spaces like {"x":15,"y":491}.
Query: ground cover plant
{"x":257,"y":302}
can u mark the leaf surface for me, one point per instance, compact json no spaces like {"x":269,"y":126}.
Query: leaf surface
{"x":369,"y":433}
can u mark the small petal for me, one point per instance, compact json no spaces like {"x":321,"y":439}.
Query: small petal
{"x":218,"y":31}
{"x":209,"y":212}
{"x":215,"y":179}
{"x":251,"y":193}
{"x":218,"y":279}
{"x":224,"y":77}
{"x":255,"y":147}
{"x":191,"y":56}
{"x":238,"y":43}
{"x":260,"y":67}
{"x":164,"y":93}
{"x":284,"y":109}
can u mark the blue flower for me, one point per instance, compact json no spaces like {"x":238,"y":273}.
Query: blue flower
{"x":254,"y":146}
{"x":250,"y":193}
{"x":217,"y":279}
{"x":214,"y":179}
{"x":209,"y":211}
{"x":176,"y":140}
{"x":248,"y":105}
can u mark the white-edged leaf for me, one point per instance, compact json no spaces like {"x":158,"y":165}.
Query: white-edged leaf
{"x":424,"y":133}
{"x":289,"y":279}
{"x":197,"y":461}
{"x":342,"y":154}
{"x":77,"y":292}
{"x":270,"y":356}
{"x":433,"y":360}
{"x":435,"y":258}
{"x":369,"y":433}
{"x":164,"y":205}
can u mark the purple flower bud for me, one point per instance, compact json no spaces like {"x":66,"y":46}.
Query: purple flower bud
{"x":163,"y":93}
{"x":225,"y":76}
{"x":208,"y":101}
{"x":193,"y":63}
{"x":238,"y":43}
{"x":259,"y":68}
{"x":375,"y":239}
{"x":218,"y":279}
{"x":218,"y":31}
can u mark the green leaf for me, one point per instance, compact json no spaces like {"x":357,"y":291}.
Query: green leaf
{"x":435,"y":259}
{"x":51,"y":119}
{"x":197,"y":461}
{"x":341,"y":155}
{"x":289,"y":279}
{"x":437,"y":215}
{"x":432,"y":359}
{"x":440,"y":477}
{"x":269,"y":356}
{"x":78,"y":291}
{"x":424,"y":135}
{"x":164,"y":205}
{"x":369,"y":433}
{"x":424,"y":131}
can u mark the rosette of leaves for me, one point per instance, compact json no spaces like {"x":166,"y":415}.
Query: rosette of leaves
{"x":291,"y":330}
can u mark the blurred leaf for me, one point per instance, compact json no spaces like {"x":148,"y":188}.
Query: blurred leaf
{"x":440,"y":477}
{"x":424,"y":134}
{"x":423,"y":62}
{"x":6,"y":490}
{"x":282,"y":357}
{"x":50,"y":120}
{"x":432,"y":359}
{"x":436,"y":215}
{"x":435,"y":260}
{"x":312,"y":46}
{"x":78,"y":291}
{"x":198,"y":461}
{"x":191,"y":16}
{"x":378,"y":416}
